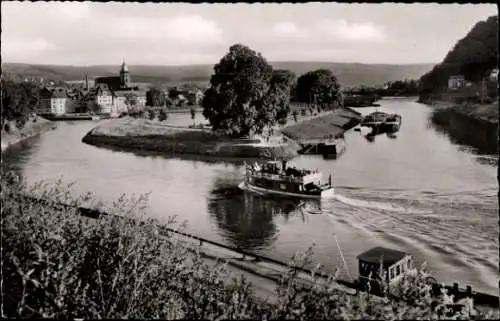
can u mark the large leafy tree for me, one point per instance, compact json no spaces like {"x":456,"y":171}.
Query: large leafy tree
{"x":19,"y":99}
{"x":155,"y":97}
{"x":280,"y":93}
{"x":320,"y":86}
{"x":245,"y":94}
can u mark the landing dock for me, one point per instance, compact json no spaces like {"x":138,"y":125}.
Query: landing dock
{"x":323,"y":134}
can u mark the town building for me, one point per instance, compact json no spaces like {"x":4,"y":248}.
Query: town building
{"x":194,"y":97}
{"x":110,"y":95}
{"x":123,"y":81}
{"x":185,"y":96}
{"x":100,"y":99}
{"x":116,"y":94}
{"x":456,"y":81}
{"x":55,"y":101}
{"x":494,"y":75}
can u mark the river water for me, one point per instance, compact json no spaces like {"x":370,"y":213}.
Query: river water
{"x":418,"y":191}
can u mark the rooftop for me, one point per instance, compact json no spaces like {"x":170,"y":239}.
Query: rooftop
{"x":331,"y":124}
{"x":389,"y":256}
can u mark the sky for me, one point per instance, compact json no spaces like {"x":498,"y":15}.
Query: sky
{"x":93,"y":33}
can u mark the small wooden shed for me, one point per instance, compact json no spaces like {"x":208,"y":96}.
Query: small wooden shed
{"x":394,"y":264}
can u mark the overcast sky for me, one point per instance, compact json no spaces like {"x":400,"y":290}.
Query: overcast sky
{"x":86,"y":33}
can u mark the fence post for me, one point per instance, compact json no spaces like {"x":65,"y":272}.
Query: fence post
{"x":469,"y":291}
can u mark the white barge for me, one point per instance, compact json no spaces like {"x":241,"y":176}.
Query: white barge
{"x":275,"y":178}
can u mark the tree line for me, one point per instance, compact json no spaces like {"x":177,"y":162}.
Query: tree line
{"x":404,"y":88}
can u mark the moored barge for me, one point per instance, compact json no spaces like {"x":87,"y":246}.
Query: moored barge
{"x":382,"y":122}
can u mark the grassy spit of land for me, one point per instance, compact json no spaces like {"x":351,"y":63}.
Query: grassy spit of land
{"x":58,"y":264}
{"x":12,"y":135}
{"x":130,"y":133}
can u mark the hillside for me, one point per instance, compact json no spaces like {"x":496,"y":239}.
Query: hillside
{"x":471,"y":56}
{"x":349,"y":74}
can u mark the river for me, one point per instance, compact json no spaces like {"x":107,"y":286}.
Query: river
{"x":418,"y":191}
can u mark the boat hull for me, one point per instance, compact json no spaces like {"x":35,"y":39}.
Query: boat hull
{"x":327,"y":193}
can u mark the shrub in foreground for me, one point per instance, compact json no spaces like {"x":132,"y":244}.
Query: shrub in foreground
{"x":60,"y":265}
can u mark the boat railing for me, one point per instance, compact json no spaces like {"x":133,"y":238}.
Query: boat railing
{"x":293,"y":179}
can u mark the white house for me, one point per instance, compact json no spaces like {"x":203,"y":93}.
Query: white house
{"x":494,"y":75}
{"x":126,"y":99}
{"x":55,"y":101}
{"x":456,"y":81}
{"x":100,"y":99}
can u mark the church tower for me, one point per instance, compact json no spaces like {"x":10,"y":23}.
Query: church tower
{"x":124,"y":76}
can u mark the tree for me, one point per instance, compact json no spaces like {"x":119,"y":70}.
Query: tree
{"x":173,"y":93}
{"x":168,"y":102}
{"x":245,"y":95}
{"x":150,"y":114}
{"x":280,"y":93}
{"x":192,"y":110}
{"x":162,"y":114}
{"x":19,"y":100}
{"x":155,"y":97}
{"x":321,"y":84}
{"x":131,"y":100}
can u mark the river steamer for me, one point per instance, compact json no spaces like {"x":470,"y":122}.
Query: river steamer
{"x":275,"y":178}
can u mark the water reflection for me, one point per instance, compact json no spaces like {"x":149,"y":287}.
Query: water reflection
{"x":392,"y":135}
{"x":481,"y":139}
{"x":17,"y":155}
{"x":246,"y":219}
{"x":370,"y":136}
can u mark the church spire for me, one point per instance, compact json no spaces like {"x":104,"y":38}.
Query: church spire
{"x":124,"y":67}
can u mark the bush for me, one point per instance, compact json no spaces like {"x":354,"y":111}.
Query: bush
{"x":57,"y":264}
{"x":7,"y":127}
{"x":162,"y":114}
{"x":150,"y":114}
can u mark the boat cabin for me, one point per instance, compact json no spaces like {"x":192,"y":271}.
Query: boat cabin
{"x":275,"y":175}
{"x":394,"y":264}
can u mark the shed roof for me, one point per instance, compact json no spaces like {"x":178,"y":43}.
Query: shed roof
{"x":389,"y":256}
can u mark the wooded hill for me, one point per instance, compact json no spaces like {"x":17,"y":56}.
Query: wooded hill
{"x":472,"y":56}
{"x":349,"y":74}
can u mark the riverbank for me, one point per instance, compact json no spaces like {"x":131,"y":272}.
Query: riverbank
{"x":32,"y":128}
{"x":486,"y":113}
{"x":130,"y":133}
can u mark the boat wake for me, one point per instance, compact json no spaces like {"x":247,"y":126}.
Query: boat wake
{"x":374,"y":205}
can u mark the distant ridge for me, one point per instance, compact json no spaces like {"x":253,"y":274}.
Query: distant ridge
{"x":349,"y":74}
